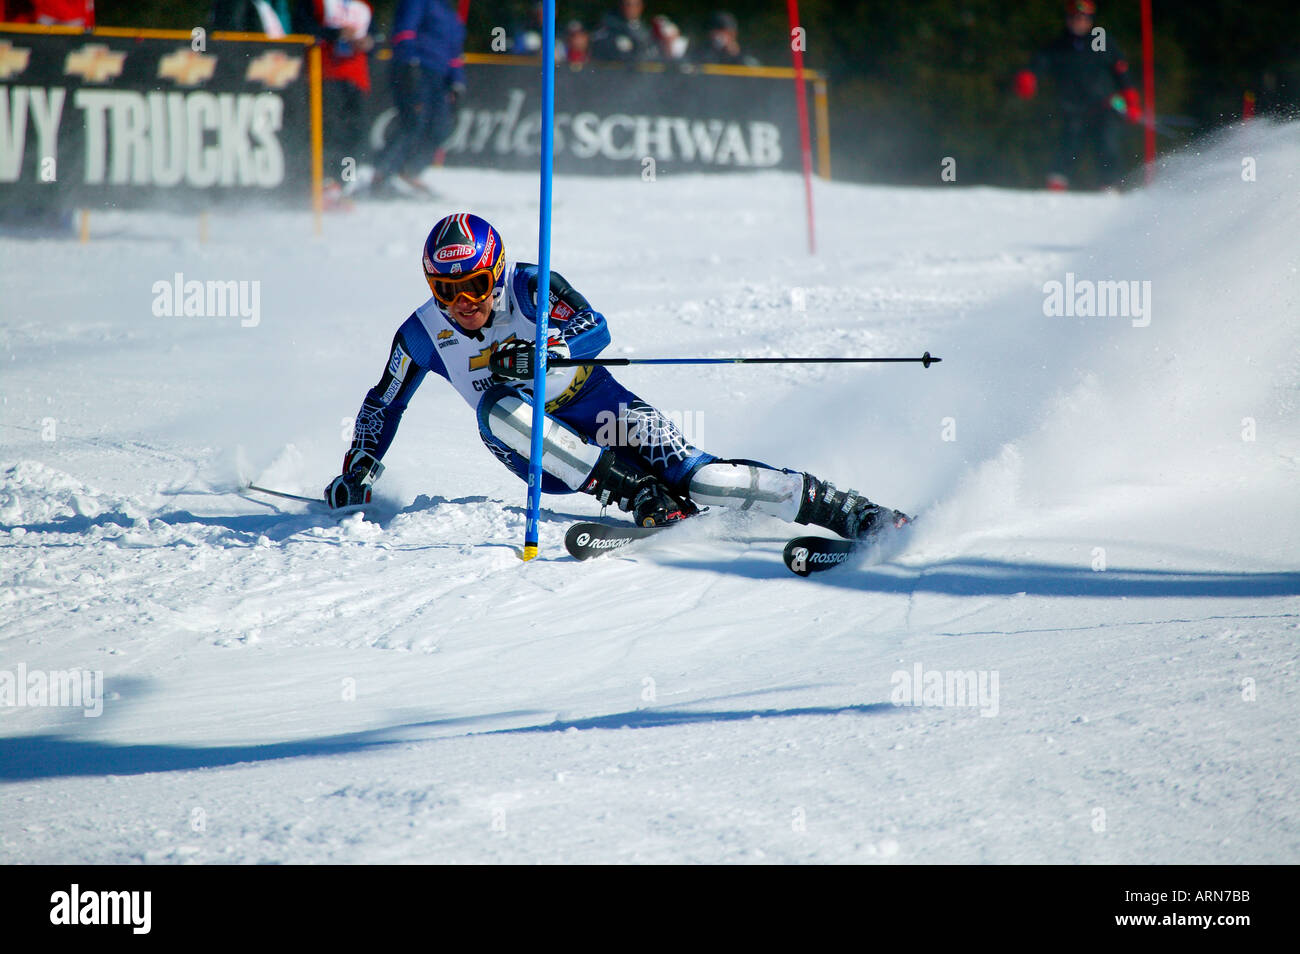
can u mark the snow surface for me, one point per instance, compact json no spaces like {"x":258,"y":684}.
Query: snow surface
{"x":285,"y":687}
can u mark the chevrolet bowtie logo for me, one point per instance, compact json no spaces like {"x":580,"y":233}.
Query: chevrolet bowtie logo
{"x":13,"y":60}
{"x":95,"y":61}
{"x":274,"y":69}
{"x":187,"y":67}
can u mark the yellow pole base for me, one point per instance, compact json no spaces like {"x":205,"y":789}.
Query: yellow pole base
{"x":528,"y":552}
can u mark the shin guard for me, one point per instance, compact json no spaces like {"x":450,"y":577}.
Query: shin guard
{"x":748,"y":486}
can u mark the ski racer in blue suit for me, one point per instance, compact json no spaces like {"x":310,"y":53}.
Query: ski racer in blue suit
{"x":477,"y":331}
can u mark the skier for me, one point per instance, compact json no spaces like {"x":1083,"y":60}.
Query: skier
{"x":477,"y":331}
{"x":1094,"y":91}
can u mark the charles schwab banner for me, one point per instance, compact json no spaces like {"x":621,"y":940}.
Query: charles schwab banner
{"x":105,"y":120}
{"x":612,"y":120}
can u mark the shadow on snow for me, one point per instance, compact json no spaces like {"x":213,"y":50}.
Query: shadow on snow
{"x":31,"y":758}
{"x":284,"y":519}
{"x":982,"y":577}
{"x":659,"y":718}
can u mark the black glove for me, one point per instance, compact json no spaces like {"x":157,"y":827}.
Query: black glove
{"x":352,"y":487}
{"x":513,"y":360}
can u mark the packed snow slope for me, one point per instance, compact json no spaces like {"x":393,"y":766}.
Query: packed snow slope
{"x":1109,"y":542}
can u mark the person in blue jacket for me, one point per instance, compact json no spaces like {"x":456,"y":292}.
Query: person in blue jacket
{"x":428,"y":79}
{"x":477,"y":331}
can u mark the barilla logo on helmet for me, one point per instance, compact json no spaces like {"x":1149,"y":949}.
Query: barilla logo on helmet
{"x":489,"y":250}
{"x":453,"y":253}
{"x":452,"y":239}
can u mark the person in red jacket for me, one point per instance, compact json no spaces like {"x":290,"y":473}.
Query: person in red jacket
{"x":1093,"y":92}
{"x":343,"y":27}
{"x":577,"y":45}
{"x":49,"y":12}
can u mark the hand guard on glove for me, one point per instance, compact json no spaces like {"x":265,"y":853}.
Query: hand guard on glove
{"x":352,"y":487}
{"x":513,"y":360}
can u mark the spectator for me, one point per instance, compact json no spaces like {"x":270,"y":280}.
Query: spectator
{"x":49,"y":12}
{"x":527,"y":39}
{"x":1094,"y":94}
{"x":724,"y":43}
{"x":343,"y":27}
{"x":672,"y":45}
{"x":577,"y":45}
{"x":622,"y":37}
{"x":428,"y":81}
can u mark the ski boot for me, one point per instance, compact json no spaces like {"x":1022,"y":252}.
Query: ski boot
{"x":847,"y":513}
{"x":643,"y":495}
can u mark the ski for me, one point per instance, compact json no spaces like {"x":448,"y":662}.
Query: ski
{"x":810,"y":554}
{"x":807,"y":555}
{"x":587,"y":540}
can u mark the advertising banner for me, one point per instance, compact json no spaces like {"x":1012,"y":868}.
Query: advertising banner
{"x":611,"y":120}
{"x":98,"y":119}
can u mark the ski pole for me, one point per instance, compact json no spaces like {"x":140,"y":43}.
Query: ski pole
{"x":925,"y":361}
{"x":281,"y":493}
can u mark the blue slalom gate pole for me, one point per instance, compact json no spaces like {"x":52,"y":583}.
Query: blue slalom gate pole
{"x":543,"y":282}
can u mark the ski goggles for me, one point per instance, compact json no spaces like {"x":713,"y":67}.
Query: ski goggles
{"x":475,"y":286}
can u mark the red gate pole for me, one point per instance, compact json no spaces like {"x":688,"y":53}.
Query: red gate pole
{"x":1149,"y":88}
{"x":801,"y":97}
